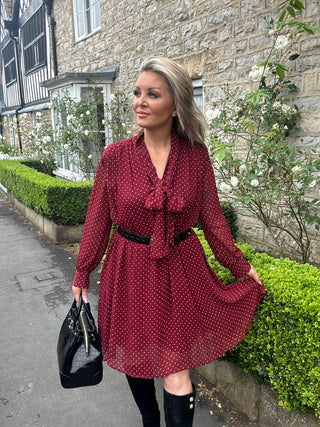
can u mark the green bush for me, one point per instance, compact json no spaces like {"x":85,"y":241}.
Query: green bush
{"x":282,"y":345}
{"x":60,"y":201}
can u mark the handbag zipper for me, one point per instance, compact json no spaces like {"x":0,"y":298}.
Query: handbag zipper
{"x":86,"y":339}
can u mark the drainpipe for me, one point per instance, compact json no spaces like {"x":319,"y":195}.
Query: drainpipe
{"x":52,"y":23}
{"x":20,"y":86}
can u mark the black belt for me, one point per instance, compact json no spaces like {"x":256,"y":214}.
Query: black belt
{"x":145,"y":240}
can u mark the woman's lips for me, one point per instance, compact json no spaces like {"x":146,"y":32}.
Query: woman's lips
{"x":142,"y":114}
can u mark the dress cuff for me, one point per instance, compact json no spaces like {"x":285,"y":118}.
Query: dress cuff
{"x":240,"y":268}
{"x":81,"y":279}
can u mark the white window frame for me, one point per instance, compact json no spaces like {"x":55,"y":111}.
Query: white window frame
{"x":198,"y":93}
{"x":86,"y":16}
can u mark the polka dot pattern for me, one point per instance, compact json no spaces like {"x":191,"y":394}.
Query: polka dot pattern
{"x":162,"y":309}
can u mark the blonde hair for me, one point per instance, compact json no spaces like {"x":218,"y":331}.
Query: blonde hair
{"x":189,"y":122}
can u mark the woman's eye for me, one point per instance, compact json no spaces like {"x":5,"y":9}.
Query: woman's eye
{"x":153,"y":95}
{"x":136,"y":93}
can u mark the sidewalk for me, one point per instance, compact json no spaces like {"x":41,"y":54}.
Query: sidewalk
{"x":35,"y":290}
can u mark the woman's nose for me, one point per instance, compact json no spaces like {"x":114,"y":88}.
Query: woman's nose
{"x":142,"y":99}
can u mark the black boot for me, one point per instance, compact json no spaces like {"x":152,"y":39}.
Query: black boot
{"x":144,"y":394}
{"x":179,"y":410}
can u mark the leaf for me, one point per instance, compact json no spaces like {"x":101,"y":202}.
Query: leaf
{"x":281,"y":17}
{"x":280,"y":72}
{"x":291,"y":11}
{"x":221,"y":156}
{"x":251,"y":129}
{"x":293,"y":57}
{"x":297,"y":5}
{"x":309,"y":28}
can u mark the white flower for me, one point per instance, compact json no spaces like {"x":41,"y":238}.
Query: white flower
{"x":242,"y":168}
{"x":46,"y":138}
{"x":257,"y":72}
{"x":234,"y":181}
{"x":312,"y":183}
{"x":90,"y":156}
{"x":50,"y":105}
{"x":70,"y":117}
{"x":81,"y":115}
{"x":225,"y":188}
{"x":212,"y":114}
{"x":296,"y":169}
{"x":88,"y":113}
{"x":112,"y":97}
{"x":281,"y":42}
{"x":103,"y":121}
{"x":38,"y":114}
{"x":285,"y":108}
{"x":66,"y":146}
{"x":254,"y":183}
{"x":277,"y":104}
{"x":271,"y":32}
{"x":86,"y":132}
{"x":285,"y":127}
{"x":275,"y":126}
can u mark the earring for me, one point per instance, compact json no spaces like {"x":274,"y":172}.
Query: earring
{"x":174,"y":114}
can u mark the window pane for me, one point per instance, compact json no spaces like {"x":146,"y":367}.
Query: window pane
{"x":80,"y":25}
{"x":96,"y":15}
{"x":79,"y":6}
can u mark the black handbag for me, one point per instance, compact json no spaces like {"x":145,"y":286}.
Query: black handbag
{"x":79,"y":348}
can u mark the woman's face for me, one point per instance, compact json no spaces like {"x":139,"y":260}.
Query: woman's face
{"x":153,"y":104}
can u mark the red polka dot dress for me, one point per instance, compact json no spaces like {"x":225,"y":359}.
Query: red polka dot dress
{"x":162,"y":309}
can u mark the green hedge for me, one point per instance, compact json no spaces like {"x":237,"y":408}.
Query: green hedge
{"x":61,"y":201}
{"x":282,"y":345}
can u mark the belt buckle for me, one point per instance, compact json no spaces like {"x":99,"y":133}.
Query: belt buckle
{"x":150,"y":241}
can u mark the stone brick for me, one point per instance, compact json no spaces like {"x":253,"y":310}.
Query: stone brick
{"x":214,"y":95}
{"x":225,"y":64}
{"x":225,"y":34}
{"x":236,"y":47}
{"x":260,"y":41}
{"x":308,"y":104}
{"x":310,"y":124}
{"x":191,"y":45}
{"x":249,"y":7}
{"x":223,"y":17}
{"x":174,"y":51}
{"x":310,"y":44}
{"x":244,"y":27}
{"x":249,"y":60}
{"x":307,"y":63}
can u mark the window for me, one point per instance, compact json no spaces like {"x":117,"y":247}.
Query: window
{"x":198,"y":93}
{"x":10,"y":69}
{"x":87,"y":17}
{"x":69,"y":163}
{"x":34,"y":41}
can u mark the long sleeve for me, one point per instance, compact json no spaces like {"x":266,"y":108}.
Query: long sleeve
{"x":215,"y":226}
{"x":96,"y":229}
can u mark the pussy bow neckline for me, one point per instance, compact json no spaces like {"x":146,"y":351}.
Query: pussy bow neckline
{"x":161,"y":198}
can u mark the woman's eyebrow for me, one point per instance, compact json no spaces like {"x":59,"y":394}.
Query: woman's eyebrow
{"x":149,"y":88}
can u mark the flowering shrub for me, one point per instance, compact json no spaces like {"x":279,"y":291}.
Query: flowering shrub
{"x":257,"y":166}
{"x":40,"y":143}
{"x":81,"y":130}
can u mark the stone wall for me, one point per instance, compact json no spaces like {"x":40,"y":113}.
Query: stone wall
{"x":217,"y":41}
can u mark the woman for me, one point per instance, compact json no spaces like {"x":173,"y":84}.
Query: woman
{"x":162,"y":310}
